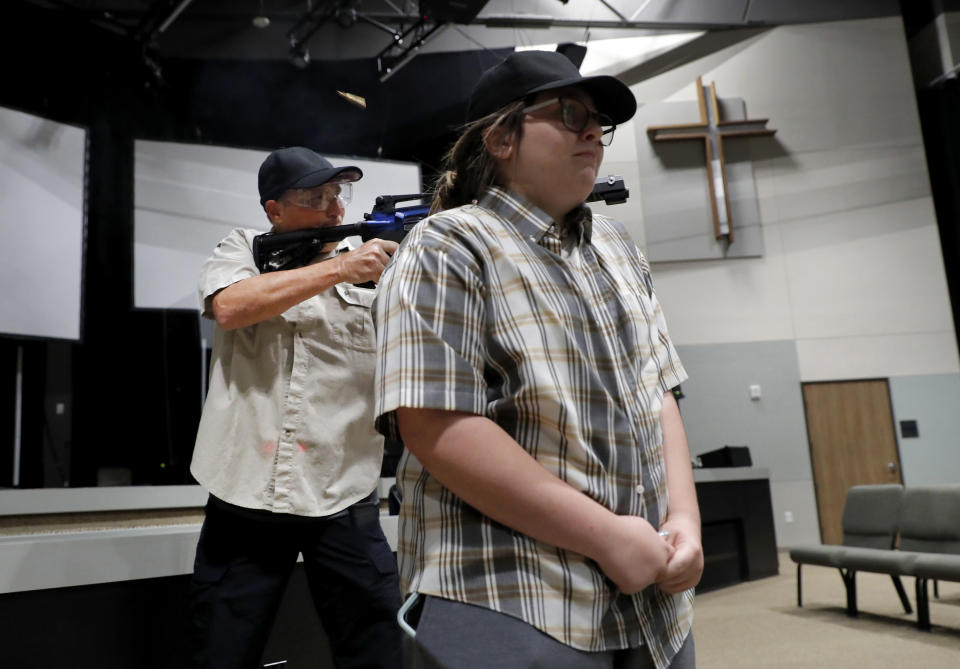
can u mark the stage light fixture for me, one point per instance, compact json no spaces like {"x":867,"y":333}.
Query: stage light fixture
{"x":261,"y":20}
{"x":300,"y":56}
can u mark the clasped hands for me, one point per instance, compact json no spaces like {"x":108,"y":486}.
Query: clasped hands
{"x":636,"y":555}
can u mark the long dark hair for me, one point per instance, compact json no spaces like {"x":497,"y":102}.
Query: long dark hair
{"x":469,"y":169}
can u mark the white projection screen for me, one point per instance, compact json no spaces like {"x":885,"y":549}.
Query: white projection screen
{"x":189,"y":196}
{"x":42,"y":225}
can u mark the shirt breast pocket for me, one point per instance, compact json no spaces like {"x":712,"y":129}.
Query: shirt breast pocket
{"x":351,"y":323}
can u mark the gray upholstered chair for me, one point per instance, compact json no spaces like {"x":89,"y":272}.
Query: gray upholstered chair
{"x":930,"y":539}
{"x":870,"y":520}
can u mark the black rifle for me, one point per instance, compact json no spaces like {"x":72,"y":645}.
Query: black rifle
{"x":609,"y":189}
{"x":274,"y":251}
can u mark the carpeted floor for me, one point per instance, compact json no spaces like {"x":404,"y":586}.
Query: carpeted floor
{"x":758,"y":624}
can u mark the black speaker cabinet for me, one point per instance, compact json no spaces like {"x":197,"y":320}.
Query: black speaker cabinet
{"x":728,"y":456}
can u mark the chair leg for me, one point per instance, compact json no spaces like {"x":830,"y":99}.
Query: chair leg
{"x":936,"y":589}
{"x":849,"y":577}
{"x":799,"y":587}
{"x":923,"y":604}
{"x":902,"y":593}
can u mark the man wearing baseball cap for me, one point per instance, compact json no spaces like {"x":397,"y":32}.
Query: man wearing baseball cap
{"x":285,"y":445}
{"x":549,"y":516}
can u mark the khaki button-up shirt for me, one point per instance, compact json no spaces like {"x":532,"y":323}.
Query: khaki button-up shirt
{"x":287,"y":425}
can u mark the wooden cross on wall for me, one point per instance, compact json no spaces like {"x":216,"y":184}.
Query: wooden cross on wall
{"x":712,"y":131}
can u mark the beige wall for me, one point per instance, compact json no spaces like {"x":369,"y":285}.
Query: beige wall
{"x":852,"y":269}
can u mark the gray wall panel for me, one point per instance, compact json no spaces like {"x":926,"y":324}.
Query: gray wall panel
{"x":717,"y":411}
{"x":934,"y":456}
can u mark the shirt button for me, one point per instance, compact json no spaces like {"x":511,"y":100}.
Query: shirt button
{"x":639,"y":489}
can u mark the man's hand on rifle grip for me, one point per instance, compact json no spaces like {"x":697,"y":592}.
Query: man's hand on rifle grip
{"x":365,"y":263}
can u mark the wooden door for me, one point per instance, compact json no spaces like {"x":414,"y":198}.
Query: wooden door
{"x":852,"y":442}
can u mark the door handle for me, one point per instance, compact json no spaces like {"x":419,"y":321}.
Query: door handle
{"x":892,"y":467}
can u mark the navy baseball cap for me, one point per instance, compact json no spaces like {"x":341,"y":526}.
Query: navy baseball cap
{"x":525,"y":73}
{"x":299,"y":167}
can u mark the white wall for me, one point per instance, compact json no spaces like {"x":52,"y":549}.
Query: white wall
{"x":853,"y":270}
{"x":852,"y":273}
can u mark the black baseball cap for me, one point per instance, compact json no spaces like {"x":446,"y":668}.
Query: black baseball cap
{"x":298,"y":167}
{"x":525,"y":73}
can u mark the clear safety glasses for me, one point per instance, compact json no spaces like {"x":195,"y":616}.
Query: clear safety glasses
{"x":320,"y":197}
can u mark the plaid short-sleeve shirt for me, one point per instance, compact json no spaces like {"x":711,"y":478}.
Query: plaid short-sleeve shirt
{"x":561,"y":341}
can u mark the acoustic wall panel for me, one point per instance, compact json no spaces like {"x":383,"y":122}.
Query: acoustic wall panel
{"x":42,"y":225}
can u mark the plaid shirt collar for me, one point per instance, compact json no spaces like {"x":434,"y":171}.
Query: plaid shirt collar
{"x":531,"y":221}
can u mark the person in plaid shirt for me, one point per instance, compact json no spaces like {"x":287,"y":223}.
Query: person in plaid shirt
{"x":548,"y":516}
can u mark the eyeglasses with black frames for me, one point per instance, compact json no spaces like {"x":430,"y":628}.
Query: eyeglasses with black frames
{"x":576,"y":117}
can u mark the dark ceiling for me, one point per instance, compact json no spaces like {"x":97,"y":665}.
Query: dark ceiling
{"x":345,"y":29}
{"x":222,"y":71}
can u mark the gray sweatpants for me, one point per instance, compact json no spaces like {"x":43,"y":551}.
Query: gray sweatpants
{"x":452,"y":635}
